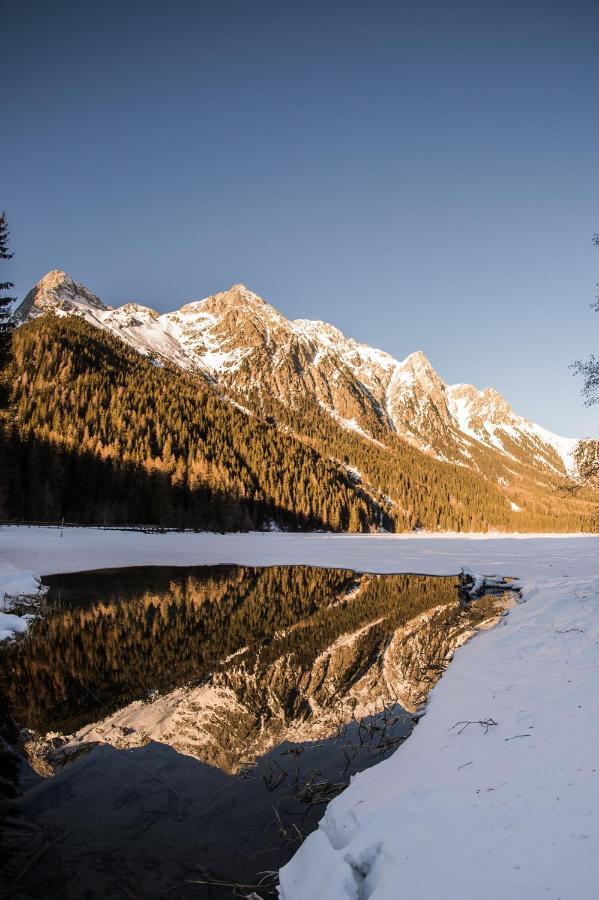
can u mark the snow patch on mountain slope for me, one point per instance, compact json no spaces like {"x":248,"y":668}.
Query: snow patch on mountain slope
{"x":486,"y":416}
{"x":460,"y":410}
{"x":133,"y":314}
{"x":353,"y":353}
{"x":564,"y":447}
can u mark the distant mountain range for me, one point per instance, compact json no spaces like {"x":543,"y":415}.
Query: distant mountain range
{"x":253,"y":353}
{"x":244,"y":418}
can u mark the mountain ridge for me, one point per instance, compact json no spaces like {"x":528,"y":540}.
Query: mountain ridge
{"x":240,"y":342}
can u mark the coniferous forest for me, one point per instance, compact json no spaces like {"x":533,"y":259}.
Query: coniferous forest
{"x":95,"y":433}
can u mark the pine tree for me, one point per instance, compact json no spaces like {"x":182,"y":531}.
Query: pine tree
{"x":5,"y":300}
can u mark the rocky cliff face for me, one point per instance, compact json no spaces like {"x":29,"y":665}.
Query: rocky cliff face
{"x":57,"y":292}
{"x":252,"y":352}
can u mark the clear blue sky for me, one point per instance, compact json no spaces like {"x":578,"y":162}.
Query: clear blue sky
{"x":422,"y":175}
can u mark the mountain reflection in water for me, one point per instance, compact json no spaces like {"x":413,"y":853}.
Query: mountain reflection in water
{"x":281,"y":682}
{"x":232,"y":660}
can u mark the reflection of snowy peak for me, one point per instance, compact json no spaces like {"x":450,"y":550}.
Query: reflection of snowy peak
{"x":254,"y":353}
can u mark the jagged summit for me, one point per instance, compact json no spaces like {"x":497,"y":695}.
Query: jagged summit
{"x":417,"y":358}
{"x":487,"y":404}
{"x":245,"y":292}
{"x":254,"y":353}
{"x":419,"y":366}
{"x":53,"y":278}
{"x":56,"y":290}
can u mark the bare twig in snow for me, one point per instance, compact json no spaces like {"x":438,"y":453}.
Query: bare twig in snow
{"x":484,"y":723}
{"x":567,"y":630}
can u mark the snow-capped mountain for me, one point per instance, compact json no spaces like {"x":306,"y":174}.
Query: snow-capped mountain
{"x":256,"y":356}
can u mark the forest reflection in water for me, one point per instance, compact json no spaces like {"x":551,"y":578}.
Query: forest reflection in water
{"x":255,"y":692}
{"x":258,"y":649}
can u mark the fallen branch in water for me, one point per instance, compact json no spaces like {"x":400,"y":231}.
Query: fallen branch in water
{"x":237,"y":886}
{"x":284,"y":834}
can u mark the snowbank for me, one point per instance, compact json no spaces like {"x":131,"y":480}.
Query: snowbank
{"x":15,"y":585}
{"x":496,"y":793}
{"x":10,"y":625}
{"x":17,"y":582}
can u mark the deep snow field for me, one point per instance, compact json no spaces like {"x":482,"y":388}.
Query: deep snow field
{"x":496,"y":793}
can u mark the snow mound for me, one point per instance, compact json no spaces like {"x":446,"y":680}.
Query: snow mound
{"x":16,"y":585}
{"x":16,"y":582}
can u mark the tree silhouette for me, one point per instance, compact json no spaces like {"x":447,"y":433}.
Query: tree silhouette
{"x":5,"y":299}
{"x":588,"y":462}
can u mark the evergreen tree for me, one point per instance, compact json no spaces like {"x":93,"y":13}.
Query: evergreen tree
{"x":5,"y":300}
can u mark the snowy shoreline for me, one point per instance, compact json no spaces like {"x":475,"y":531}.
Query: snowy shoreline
{"x":496,"y":793}
{"x":49,"y":551}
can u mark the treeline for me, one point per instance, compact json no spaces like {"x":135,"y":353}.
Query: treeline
{"x":96,"y":433}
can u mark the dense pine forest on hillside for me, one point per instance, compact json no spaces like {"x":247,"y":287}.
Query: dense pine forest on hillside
{"x":97,"y":433}
{"x":104,"y":436}
{"x":436,"y":495}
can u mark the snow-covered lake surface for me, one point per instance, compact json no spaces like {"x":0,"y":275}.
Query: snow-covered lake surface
{"x":78,"y":549}
{"x":496,"y":793}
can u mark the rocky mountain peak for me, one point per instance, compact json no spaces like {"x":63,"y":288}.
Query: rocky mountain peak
{"x":417,"y":374}
{"x":237,"y":302}
{"x":54,"y":279}
{"x":418,"y":358}
{"x":241,"y":295}
{"x":468,"y":404}
{"x":59,"y":291}
{"x":417,"y":400}
{"x":418,"y":368}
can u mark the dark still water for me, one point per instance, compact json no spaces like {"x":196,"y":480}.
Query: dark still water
{"x":192,"y":723}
